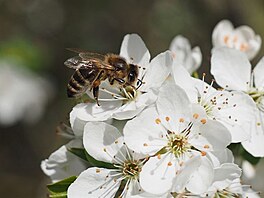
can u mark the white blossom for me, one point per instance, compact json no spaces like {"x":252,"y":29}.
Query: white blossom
{"x":184,"y":55}
{"x":229,"y":108}
{"x":105,"y":143}
{"x":176,"y":139}
{"x":242,"y":38}
{"x":233,"y":71}
{"x":62,"y":163}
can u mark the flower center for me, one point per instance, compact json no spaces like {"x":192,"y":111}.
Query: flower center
{"x":208,"y":106}
{"x":129,"y":92}
{"x":225,"y":194}
{"x":178,"y":144}
{"x":131,"y":169}
{"x":258,"y":97}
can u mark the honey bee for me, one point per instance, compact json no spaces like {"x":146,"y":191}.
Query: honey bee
{"x":92,"y":68}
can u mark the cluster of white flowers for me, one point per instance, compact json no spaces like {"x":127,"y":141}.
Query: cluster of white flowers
{"x":169,"y":137}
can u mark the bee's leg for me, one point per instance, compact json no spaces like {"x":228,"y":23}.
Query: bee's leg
{"x":96,"y":93}
{"x":111,"y":80}
{"x":95,"y":87}
{"x":120,"y":81}
{"x":96,"y":79}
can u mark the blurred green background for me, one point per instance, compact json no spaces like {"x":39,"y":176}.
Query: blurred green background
{"x":36,"y":33}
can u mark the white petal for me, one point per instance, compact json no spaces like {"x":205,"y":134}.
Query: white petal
{"x":202,"y":178}
{"x":212,"y":131}
{"x":102,"y":141}
{"x":220,"y":157}
{"x":235,"y":110}
{"x":183,"y":79}
{"x":77,"y":124}
{"x":93,"y":112}
{"x":231,"y":69}
{"x":62,"y":164}
{"x":180,"y":43}
{"x":128,"y":111}
{"x":249,"y":171}
{"x":197,"y":59}
{"x":94,"y":182}
{"x":258,"y":74}
{"x":200,"y":112}
{"x":157,"y":71}
{"x":134,"y":50}
{"x":204,"y":89}
{"x":183,"y":54}
{"x":157,"y":174}
{"x":172,"y":100}
{"x":255,"y":144}
{"x":143,"y":134}
{"x":227,"y":171}
{"x":223,"y":28}
{"x":250,"y":38}
{"x":133,"y":108}
{"x":134,"y":189}
{"x":187,"y":169}
{"x":148,"y":195}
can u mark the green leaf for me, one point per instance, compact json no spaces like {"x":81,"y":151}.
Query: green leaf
{"x":97,"y":163}
{"x":59,"y":189}
{"x":81,"y":152}
{"x":250,"y":158}
{"x":238,"y":150}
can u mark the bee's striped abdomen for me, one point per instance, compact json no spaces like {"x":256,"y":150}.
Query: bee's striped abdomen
{"x":80,"y":81}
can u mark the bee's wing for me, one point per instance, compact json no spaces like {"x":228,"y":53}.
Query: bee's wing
{"x":87,"y":55}
{"x":78,"y":63}
{"x":73,"y":62}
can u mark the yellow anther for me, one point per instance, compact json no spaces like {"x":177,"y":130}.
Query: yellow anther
{"x":203,"y":121}
{"x":195,"y":116}
{"x":158,"y":121}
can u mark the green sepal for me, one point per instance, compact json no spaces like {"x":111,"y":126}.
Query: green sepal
{"x":59,"y":189}
{"x":162,"y":151}
{"x":81,"y":152}
{"x":195,"y":74}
